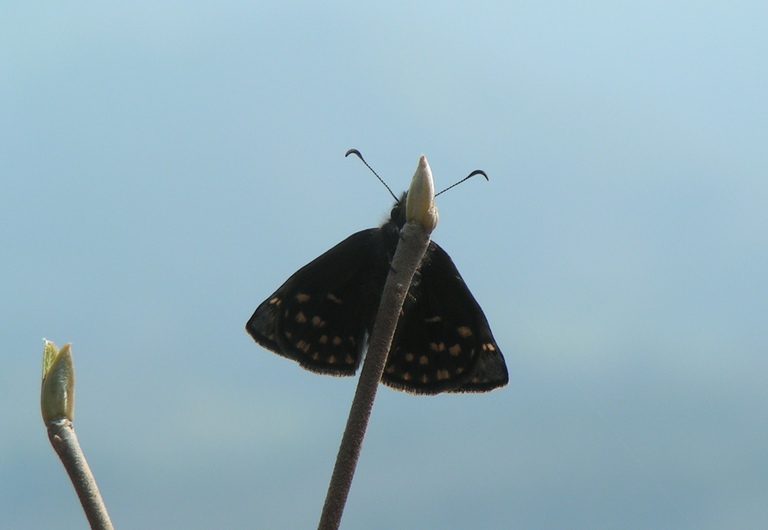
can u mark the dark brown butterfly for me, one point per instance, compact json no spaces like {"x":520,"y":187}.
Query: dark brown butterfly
{"x":322,"y":315}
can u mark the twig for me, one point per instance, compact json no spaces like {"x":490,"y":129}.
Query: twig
{"x":57,"y":403}
{"x":414,"y":238}
{"x":61,"y":433}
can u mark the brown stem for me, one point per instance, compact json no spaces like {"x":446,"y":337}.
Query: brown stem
{"x":64,"y":442}
{"x":410,"y":250}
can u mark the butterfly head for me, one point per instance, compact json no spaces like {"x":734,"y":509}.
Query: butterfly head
{"x":397,"y":215}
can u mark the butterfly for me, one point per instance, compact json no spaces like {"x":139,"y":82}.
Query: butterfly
{"x":322,"y":315}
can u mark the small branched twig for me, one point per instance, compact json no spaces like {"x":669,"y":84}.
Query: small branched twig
{"x":57,"y":402}
{"x":421,"y":216}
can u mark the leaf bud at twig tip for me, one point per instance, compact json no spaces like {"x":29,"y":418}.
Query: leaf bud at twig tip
{"x":57,"y":395}
{"x":420,"y":203}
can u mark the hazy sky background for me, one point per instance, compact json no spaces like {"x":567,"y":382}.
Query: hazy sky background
{"x":164,"y":167}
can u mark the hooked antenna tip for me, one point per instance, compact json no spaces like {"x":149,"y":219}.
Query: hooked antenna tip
{"x":479,"y":172}
{"x":353,"y":151}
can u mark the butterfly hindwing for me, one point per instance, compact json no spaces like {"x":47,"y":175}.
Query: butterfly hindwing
{"x":319,"y":317}
{"x":443,"y":342}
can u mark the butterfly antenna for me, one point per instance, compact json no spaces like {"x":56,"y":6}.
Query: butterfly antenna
{"x":475,"y":172}
{"x":356,"y":152}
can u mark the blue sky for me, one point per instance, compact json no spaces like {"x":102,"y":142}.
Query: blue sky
{"x":164,"y":167}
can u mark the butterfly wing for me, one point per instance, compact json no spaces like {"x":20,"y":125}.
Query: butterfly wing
{"x":443,"y":342}
{"x":320,"y":316}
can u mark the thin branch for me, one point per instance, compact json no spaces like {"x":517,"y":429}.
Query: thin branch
{"x":61,"y":433}
{"x":410,"y":250}
{"x":421,"y":219}
{"x":57,"y":404}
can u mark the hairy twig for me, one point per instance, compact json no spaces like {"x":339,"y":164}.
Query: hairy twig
{"x":414,"y":238}
{"x":57,"y":402}
{"x":62,"y":435}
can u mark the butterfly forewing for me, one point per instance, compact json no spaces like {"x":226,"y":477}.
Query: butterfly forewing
{"x":320,"y":315}
{"x":442,"y":335}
